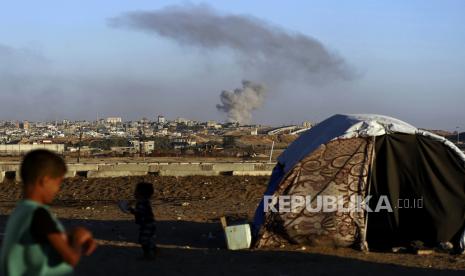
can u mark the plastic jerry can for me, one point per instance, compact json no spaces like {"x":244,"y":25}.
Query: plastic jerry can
{"x":238,"y":236}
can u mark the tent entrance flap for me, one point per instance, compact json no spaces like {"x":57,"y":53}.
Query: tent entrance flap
{"x":424,"y":182}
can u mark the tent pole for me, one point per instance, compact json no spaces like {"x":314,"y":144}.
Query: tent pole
{"x":271,"y":152}
{"x":364,"y":244}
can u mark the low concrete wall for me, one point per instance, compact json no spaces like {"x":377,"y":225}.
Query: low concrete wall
{"x":234,"y":167}
{"x":187,"y":173}
{"x":70,"y":174}
{"x":82,"y":167}
{"x":94,"y":170}
{"x":98,"y":174}
{"x":18,"y":149}
{"x":9,"y":167}
{"x":181,"y":167}
{"x":252,"y":173}
{"x":130,"y":167}
{"x":264,"y":167}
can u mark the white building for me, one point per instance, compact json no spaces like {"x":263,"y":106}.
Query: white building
{"x":181,"y":120}
{"x":114,"y":120}
{"x":307,"y":124}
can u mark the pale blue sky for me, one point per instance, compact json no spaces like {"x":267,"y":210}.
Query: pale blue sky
{"x":409,"y":57}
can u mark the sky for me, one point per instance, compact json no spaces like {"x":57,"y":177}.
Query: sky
{"x":67,"y":60}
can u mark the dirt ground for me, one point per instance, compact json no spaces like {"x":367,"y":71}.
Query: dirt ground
{"x":190,"y":236}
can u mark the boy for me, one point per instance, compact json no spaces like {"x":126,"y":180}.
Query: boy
{"x":35,"y":242}
{"x":144,"y":218}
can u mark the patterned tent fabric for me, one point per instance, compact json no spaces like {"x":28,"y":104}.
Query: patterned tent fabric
{"x":337,"y":168}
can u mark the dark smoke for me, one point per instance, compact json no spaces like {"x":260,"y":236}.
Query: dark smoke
{"x":240,"y":103}
{"x":267,"y":53}
{"x":273,"y":54}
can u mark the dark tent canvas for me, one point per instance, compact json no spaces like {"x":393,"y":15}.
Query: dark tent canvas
{"x":366,"y":155}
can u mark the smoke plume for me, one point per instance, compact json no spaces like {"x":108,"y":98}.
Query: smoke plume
{"x":263,"y":50}
{"x":240,"y":103}
{"x":266,"y":53}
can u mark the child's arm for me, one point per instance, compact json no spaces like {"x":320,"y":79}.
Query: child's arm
{"x":134,"y":209}
{"x":71,"y":247}
{"x":82,"y":239}
{"x":125,"y":207}
{"x":44,"y":229}
{"x":59,"y":241}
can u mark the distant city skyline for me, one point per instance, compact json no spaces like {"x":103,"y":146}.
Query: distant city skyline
{"x":76,"y":59}
{"x":153,"y":119}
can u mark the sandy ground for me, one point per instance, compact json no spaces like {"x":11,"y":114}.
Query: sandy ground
{"x":190,"y":237}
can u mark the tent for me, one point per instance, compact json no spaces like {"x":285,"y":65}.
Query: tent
{"x":420,"y":176}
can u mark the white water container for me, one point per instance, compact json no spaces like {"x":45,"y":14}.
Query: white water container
{"x":238,"y":236}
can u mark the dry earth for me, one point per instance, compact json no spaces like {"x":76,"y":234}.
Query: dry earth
{"x":190,"y":238}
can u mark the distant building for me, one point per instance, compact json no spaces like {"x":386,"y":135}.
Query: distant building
{"x":213,"y":124}
{"x":191,"y":123}
{"x":114,"y":120}
{"x":23,"y":125}
{"x":181,"y":120}
{"x":182,"y":142}
{"x":307,"y":124}
{"x":144,"y":121}
{"x":161,"y":119}
{"x":146,"y":147}
{"x":149,"y":132}
{"x":26,"y":125}
{"x":162,"y":132}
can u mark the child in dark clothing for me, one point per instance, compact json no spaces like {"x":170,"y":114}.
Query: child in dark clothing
{"x":144,"y":218}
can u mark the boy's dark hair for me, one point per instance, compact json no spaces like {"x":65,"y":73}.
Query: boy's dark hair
{"x":41,"y":163}
{"x":144,"y":189}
